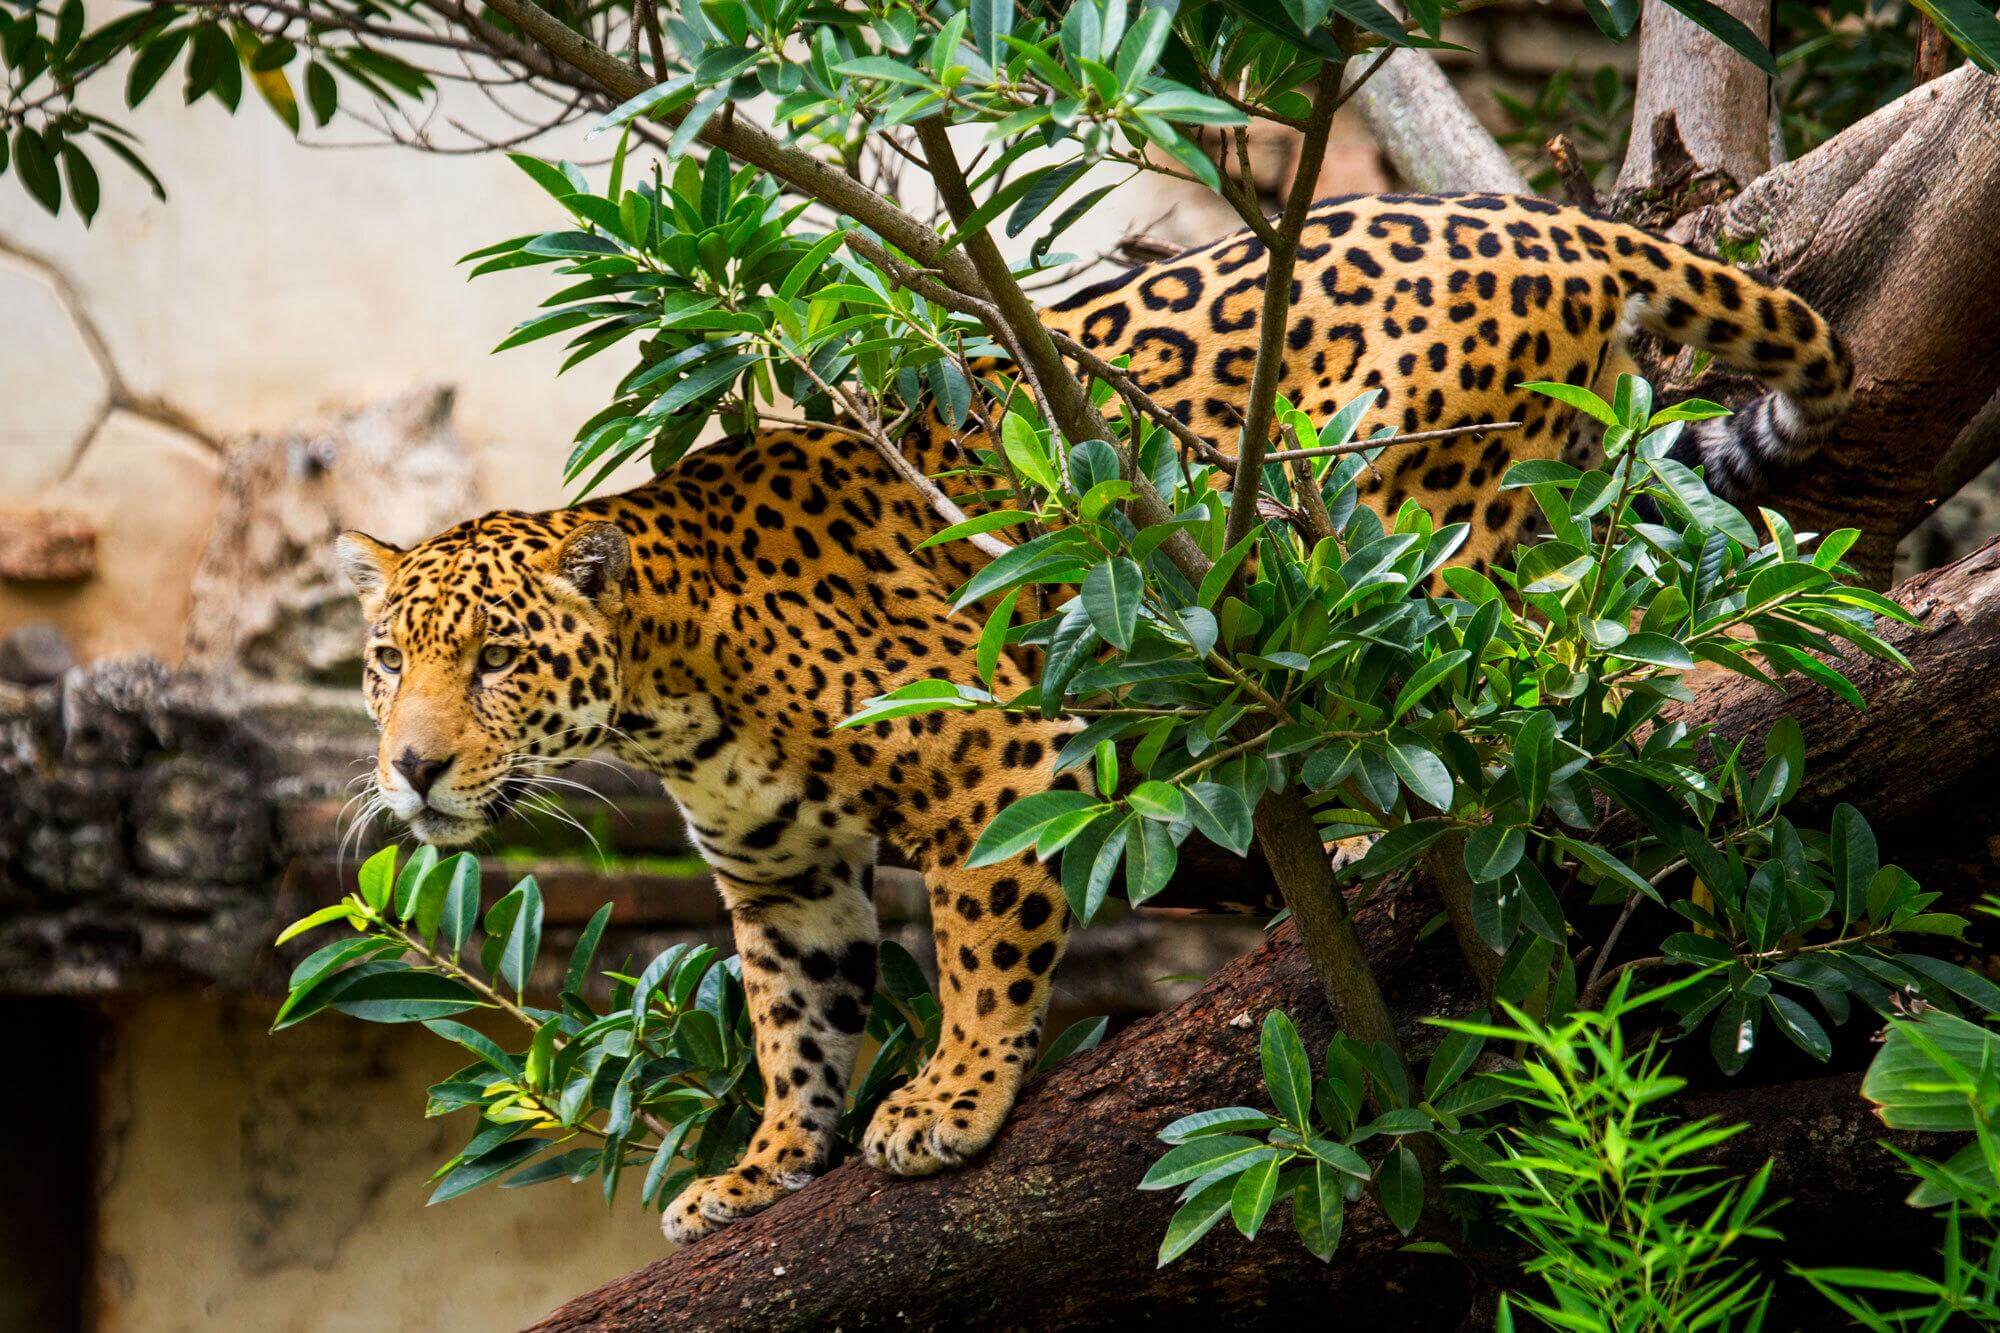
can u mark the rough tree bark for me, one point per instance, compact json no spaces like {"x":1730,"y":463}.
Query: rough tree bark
{"x":1427,"y":131}
{"x":1887,"y":230}
{"x":1700,"y":108}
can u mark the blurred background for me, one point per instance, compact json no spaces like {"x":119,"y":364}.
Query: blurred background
{"x":194,"y":397}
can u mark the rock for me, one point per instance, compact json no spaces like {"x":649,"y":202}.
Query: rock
{"x":46,"y":545}
{"x":149,"y":491}
{"x":35,"y":654}
{"x":268,"y":599}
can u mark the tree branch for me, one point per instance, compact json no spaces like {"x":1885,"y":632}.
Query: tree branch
{"x":1716,"y":103}
{"x":1283,"y":254}
{"x":1429,"y":134}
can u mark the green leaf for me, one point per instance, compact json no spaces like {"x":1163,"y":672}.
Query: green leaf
{"x":1080,"y":1036}
{"x":322,"y":93}
{"x":1111,"y":594}
{"x":1398,"y":846}
{"x":1855,"y":860}
{"x":1287,"y":1075}
{"x":1608,"y":867}
{"x":1219,"y":574}
{"x":1198,"y":1157}
{"x":469,"y":1176}
{"x":1251,"y":1198}
{"x":1157,"y":800}
{"x":36,"y":167}
{"x":461,"y":901}
{"x":411,"y":879}
{"x":340,"y":911}
{"x":1218,"y":1120}
{"x":1421,"y":771}
{"x":1400,"y":1183}
{"x":1493,"y":850}
{"x":1534,"y":759}
{"x":1656,"y":649}
{"x":993,"y":638}
{"x":1017,"y":827}
{"x":1222,"y":816}
{"x":315,"y":980}
{"x":1426,"y":678}
{"x":1140,"y":50}
{"x":1024,"y":449}
{"x":1583,"y":400}
{"x":580,"y":957}
{"x":1194,"y":1218}
{"x":1150,"y":858}
{"x":82,"y":177}
{"x":1553,"y":567}
{"x":1316,"y":1212}
{"x":403,"y":996}
{"x":1799,"y":1025}
{"x":987,"y":522}
{"x":514,"y":934}
{"x":378,"y":878}
{"x":1189,"y":107}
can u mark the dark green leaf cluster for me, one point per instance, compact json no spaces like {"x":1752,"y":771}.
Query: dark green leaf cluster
{"x":1237,"y":1161}
{"x":733,"y":308}
{"x":1940,"y":1074}
{"x":47,"y":52}
{"x":662,"y":1079}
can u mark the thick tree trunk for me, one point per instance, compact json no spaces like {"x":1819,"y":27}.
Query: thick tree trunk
{"x":1049,"y":1227}
{"x":1700,"y":108}
{"x":1888,"y":230}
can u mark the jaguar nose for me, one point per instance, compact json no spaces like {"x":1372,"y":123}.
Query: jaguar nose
{"x":421,"y":773}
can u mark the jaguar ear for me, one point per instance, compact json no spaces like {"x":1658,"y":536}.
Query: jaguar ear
{"x":594,"y":560}
{"x":368,"y":565}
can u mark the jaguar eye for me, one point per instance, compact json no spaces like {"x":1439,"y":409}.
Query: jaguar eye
{"x":497,"y":655}
{"x":389,"y":659}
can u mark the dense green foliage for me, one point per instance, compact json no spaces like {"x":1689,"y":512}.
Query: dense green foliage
{"x":660,"y":1079}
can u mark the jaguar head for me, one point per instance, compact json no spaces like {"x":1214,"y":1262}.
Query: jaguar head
{"x":492,"y":659}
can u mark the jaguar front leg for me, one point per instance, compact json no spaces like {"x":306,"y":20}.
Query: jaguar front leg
{"x":1000,"y":933}
{"x":808,"y":949}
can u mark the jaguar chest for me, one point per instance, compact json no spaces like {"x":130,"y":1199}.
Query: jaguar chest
{"x":750,"y":810}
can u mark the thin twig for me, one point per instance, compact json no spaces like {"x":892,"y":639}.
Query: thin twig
{"x":1379,"y":442}
{"x":1318,"y":523}
{"x":1283,"y":252}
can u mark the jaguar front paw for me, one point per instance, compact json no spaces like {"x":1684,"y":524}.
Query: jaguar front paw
{"x":927,"y":1127}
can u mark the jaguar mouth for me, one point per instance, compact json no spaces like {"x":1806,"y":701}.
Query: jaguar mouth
{"x":442,"y":830}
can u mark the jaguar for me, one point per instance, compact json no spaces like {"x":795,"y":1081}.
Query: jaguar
{"x":715,"y":624}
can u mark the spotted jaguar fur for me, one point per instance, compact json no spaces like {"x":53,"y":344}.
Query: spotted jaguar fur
{"x":716,"y":623}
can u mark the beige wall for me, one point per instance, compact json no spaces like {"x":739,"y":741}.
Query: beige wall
{"x":279,"y":284}
{"x":277,"y":1183}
